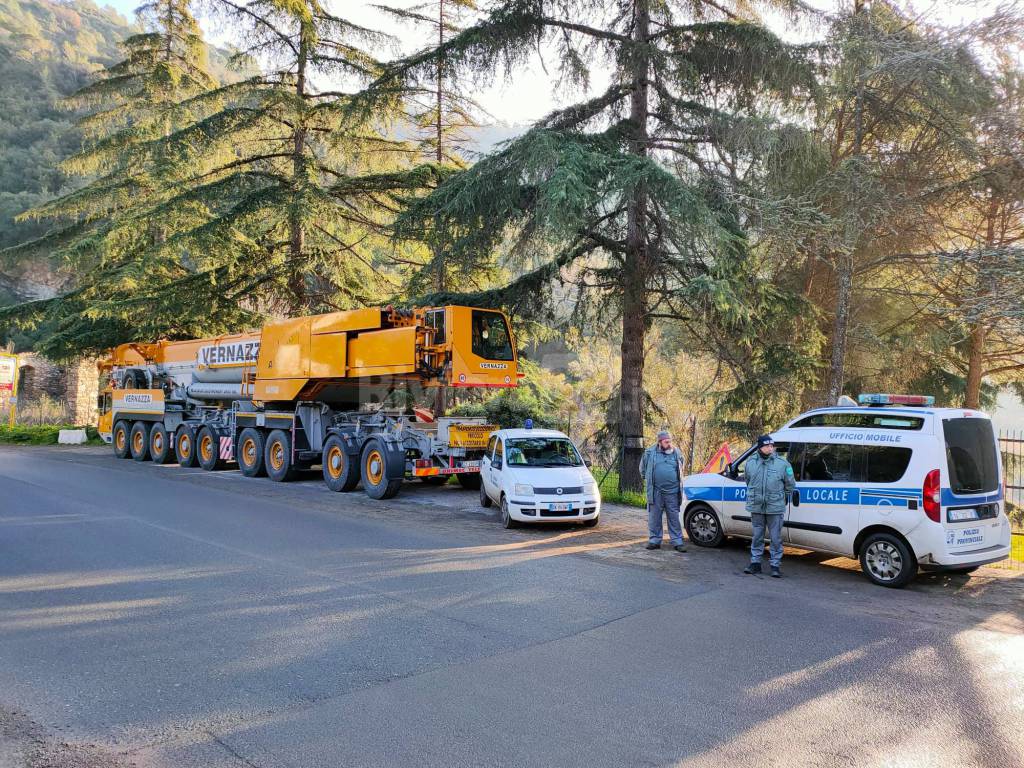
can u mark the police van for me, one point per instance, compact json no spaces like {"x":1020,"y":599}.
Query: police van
{"x":894,"y":482}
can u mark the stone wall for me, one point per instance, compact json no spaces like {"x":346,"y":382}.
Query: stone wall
{"x":74,"y":386}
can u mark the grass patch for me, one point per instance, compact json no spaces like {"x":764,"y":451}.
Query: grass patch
{"x":42,"y":434}
{"x":610,"y":490}
{"x":1017,"y":547}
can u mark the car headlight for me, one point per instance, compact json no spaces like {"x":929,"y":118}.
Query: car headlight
{"x":524,"y":490}
{"x":590,"y":488}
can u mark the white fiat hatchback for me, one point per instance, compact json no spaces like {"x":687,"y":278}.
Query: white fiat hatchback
{"x":898,"y":484}
{"x":538,"y":476}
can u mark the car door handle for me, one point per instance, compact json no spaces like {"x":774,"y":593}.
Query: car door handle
{"x":796,"y":497}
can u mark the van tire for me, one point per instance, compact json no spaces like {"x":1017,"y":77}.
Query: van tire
{"x":887,"y":560}
{"x":161,"y":445}
{"x":507,"y":520}
{"x":139,"y":438}
{"x":121,"y":441}
{"x":250,"y":453}
{"x":703,"y":526}
{"x":485,"y":500}
{"x":277,"y":456}
{"x":185,"y":447}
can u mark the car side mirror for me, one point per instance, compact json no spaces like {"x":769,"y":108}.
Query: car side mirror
{"x":588,"y":463}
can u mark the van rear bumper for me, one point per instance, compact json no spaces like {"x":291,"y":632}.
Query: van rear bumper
{"x":970,"y":559}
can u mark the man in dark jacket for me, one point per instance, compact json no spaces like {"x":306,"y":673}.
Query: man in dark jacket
{"x":770,"y":483}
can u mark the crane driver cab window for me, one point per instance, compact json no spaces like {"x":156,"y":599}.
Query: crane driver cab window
{"x":490,"y":336}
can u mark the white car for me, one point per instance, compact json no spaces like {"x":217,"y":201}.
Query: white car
{"x":538,"y":476}
{"x":898,"y":484}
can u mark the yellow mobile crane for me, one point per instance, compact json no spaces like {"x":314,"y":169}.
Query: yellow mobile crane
{"x":312,"y":390}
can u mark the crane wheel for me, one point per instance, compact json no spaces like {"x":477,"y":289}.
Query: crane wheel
{"x":161,"y":444}
{"x":122,"y":447}
{"x":374,"y":470}
{"x":277,"y":456}
{"x":185,"y":446}
{"x":340,"y":472}
{"x":208,"y":450}
{"x":139,"y":440}
{"x":250,"y":453}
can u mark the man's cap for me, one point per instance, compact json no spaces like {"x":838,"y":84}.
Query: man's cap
{"x":765,"y":440}
{"x":664,"y":435}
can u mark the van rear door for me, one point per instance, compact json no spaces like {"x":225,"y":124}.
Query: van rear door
{"x":972,"y":493}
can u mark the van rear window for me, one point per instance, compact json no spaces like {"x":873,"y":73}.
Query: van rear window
{"x":971,"y":455}
{"x":866,"y":420}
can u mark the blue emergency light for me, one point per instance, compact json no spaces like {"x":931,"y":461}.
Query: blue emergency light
{"x":880,"y":399}
{"x":529,"y":424}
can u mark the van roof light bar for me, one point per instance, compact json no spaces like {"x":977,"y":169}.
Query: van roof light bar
{"x":881,"y":399}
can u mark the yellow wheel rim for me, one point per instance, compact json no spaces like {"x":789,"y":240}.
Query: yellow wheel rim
{"x":119,"y":439}
{"x":276,"y":454}
{"x":249,"y":451}
{"x":206,"y":447}
{"x":335,"y":462}
{"x":158,"y":442}
{"x":184,"y":446}
{"x":374,"y":467}
{"x":137,"y":442}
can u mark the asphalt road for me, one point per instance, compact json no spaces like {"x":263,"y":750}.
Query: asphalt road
{"x":155,"y":616}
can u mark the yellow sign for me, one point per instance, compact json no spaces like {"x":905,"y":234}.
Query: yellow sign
{"x":469,"y":435}
{"x":719,"y":461}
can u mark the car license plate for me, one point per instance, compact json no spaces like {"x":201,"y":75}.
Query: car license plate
{"x":560,"y":507}
{"x":959,"y":515}
{"x":965,"y":537}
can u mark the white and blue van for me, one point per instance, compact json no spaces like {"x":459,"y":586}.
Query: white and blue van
{"x":895,"y":482}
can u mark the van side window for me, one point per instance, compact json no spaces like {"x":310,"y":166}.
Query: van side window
{"x":490,"y":446}
{"x":496,"y":459}
{"x":833,"y":463}
{"x":886,"y":464}
{"x":863,"y":420}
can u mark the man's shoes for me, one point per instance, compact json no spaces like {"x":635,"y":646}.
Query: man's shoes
{"x":752,"y":568}
{"x":680,"y":547}
{"x":652,"y":545}
{"x":776,"y":572}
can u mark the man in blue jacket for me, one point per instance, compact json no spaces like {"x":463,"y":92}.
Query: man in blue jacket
{"x":662,"y":468}
{"x":770,"y":482}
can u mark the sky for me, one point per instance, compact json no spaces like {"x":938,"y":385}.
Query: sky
{"x":530,"y":94}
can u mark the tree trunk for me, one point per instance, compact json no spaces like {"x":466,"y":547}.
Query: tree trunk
{"x":296,"y":230}
{"x":975,"y":366}
{"x":635,"y":272}
{"x":836,"y":369}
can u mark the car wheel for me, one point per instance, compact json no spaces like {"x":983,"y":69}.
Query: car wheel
{"x":591,"y":523}
{"x":250,"y":453}
{"x":469,"y":480}
{"x":485,"y":500}
{"x":506,"y":515}
{"x":140,"y":440}
{"x":340,"y":472}
{"x":703,"y":527}
{"x":122,"y":446}
{"x":887,"y":560}
{"x":161,"y":446}
{"x":185,"y":447}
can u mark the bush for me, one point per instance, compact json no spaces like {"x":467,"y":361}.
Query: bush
{"x":541,"y":395}
{"x":42,"y":434}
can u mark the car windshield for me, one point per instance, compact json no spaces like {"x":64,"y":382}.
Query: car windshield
{"x":542,"y":452}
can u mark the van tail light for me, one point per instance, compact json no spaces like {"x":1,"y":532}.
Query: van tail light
{"x":932,"y":496}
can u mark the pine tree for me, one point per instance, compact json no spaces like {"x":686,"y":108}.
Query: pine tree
{"x":131,"y":108}
{"x":618,"y":192}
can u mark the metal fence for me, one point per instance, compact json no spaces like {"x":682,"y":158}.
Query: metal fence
{"x":1011,"y":445}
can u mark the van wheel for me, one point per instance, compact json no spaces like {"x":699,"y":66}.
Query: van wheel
{"x":469,"y":480}
{"x":185,"y":447}
{"x":277,"y":456}
{"x":703,"y":527}
{"x":340,"y":472}
{"x":485,"y":500}
{"x":507,"y":520}
{"x":161,"y":447}
{"x":374,"y":471}
{"x":122,"y":446}
{"x":208,"y":450}
{"x":250,"y":453}
{"x":140,"y":440}
{"x":887,"y":561}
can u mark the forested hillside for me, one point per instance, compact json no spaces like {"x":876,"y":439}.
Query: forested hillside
{"x":48,"y":50}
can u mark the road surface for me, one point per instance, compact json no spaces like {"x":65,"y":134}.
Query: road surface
{"x":157,"y":616}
